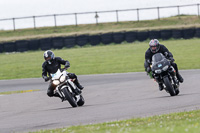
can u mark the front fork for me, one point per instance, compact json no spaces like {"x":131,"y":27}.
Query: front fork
{"x":171,"y":75}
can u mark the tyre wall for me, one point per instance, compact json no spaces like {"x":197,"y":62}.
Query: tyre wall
{"x":106,"y":38}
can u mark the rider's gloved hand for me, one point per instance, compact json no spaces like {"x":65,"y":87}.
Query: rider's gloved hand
{"x":171,"y":59}
{"x":148,"y":69}
{"x":46,"y":78}
{"x":67,"y":65}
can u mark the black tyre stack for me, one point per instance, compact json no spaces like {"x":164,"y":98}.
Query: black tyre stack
{"x":188,"y":33}
{"x":57,"y":43}
{"x":131,"y":36}
{"x":118,"y":37}
{"x":106,"y":38}
{"x":34,"y":44}
{"x":22,"y":46}
{"x":197,"y":32}
{"x":177,"y":33}
{"x":82,"y":40}
{"x":70,"y":41}
{"x":166,"y":34}
{"x":10,"y":47}
{"x":142,"y":36}
{"x":1,"y":47}
{"x":94,"y":39}
{"x":154,"y":34}
{"x":45,"y":44}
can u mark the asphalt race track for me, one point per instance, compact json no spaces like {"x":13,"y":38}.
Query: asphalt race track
{"x":109,"y":97}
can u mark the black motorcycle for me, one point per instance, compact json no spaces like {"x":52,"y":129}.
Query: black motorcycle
{"x":164,"y":72}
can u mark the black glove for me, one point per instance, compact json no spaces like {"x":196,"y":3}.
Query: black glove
{"x":46,"y":78}
{"x":148,"y":69}
{"x":171,"y":59}
{"x":67,"y":65}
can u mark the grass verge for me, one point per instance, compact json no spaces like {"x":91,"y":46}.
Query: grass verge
{"x":15,"y":92}
{"x":182,"y":21}
{"x":184,"y":122}
{"x":125,"y":57}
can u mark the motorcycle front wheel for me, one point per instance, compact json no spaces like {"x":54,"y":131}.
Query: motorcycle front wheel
{"x":70,"y":98}
{"x":169,"y":86}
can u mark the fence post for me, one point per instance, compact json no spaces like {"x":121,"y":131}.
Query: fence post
{"x":198,"y":9}
{"x":138,"y":15}
{"x":14,"y":24}
{"x":158,"y":13}
{"x":55,"y":20}
{"x":178,"y":12}
{"x":76,"y":19}
{"x":96,"y":17}
{"x":34,"y":22}
{"x":117,"y":16}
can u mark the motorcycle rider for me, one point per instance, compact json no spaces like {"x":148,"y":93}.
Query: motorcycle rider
{"x":51,"y":65}
{"x":156,"y":47}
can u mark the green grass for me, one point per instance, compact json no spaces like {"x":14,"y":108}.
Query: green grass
{"x":184,"y":122}
{"x":163,"y":23}
{"x":15,"y":92}
{"x":126,"y":57}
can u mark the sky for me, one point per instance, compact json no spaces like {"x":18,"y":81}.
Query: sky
{"x":21,"y":8}
{"x":28,"y":8}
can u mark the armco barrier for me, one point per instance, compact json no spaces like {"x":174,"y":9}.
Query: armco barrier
{"x":141,"y":36}
{"x":45,"y":44}
{"x":118,"y":37}
{"x":106,"y":38}
{"x":82,"y":40}
{"x":69,"y":41}
{"x":165,"y":34}
{"x":131,"y":36}
{"x":94,"y":39}
{"x":177,"y":33}
{"x":57,"y":42}
{"x":9,"y":47}
{"x":188,"y":33}
{"x":33,"y":44}
{"x":22,"y":46}
{"x":154,"y":34}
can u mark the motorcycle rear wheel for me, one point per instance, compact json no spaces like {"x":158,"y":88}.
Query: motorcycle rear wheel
{"x":169,"y":86}
{"x":81,"y":101}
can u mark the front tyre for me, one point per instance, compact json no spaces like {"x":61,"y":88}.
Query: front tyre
{"x":70,"y":98}
{"x":169,"y":86}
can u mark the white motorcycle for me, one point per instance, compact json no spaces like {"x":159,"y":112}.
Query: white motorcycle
{"x":66,"y":88}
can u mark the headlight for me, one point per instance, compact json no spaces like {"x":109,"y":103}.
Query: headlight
{"x":62,"y":79}
{"x":158,"y":71}
{"x":165,"y":68}
{"x":56,"y":82}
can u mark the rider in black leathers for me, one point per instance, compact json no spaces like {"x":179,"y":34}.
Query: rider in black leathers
{"x":156,"y":47}
{"x":51,"y":65}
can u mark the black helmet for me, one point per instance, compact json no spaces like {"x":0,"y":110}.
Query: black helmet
{"x":49,"y":56}
{"x":154,"y":45}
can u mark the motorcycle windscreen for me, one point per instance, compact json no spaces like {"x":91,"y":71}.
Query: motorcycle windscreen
{"x":158,"y":61}
{"x":157,"y":57}
{"x":56,"y":75}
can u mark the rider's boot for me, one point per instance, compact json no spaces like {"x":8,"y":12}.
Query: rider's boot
{"x":76,"y":82}
{"x":179,"y":77}
{"x":161,"y":87}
